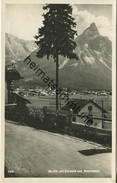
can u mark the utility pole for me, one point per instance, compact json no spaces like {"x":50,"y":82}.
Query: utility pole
{"x":57,"y":83}
{"x":60,"y":101}
{"x":102,"y":114}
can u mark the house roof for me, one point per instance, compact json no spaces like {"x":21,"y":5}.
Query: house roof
{"x":80,"y":103}
{"x":98,"y":106}
{"x":20,"y":98}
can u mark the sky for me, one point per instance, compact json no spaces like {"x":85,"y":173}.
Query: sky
{"x":23,"y":20}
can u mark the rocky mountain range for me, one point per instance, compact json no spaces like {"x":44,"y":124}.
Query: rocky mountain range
{"x":91,"y":71}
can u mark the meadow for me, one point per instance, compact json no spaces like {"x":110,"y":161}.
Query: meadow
{"x":49,"y":101}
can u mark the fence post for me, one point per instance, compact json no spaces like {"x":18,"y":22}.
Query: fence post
{"x":60,"y":101}
{"x":102,"y":114}
{"x":70,"y":116}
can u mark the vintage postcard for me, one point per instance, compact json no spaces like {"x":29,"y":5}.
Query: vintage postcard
{"x":58,"y":91}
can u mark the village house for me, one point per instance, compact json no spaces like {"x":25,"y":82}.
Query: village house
{"x":88,"y":108}
{"x":11,"y":74}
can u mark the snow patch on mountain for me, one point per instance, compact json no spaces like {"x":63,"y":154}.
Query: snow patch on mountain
{"x":102,"y":61}
{"x":89,"y":60}
{"x":97,"y":52}
{"x":63,"y":64}
{"x":74,"y":65}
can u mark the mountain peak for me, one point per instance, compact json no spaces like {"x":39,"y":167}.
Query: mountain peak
{"x":92,"y":30}
{"x":93,"y":27}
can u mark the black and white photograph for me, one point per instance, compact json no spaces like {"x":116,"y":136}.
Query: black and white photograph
{"x":58,"y":90}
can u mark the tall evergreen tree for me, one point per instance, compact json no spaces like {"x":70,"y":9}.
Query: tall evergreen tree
{"x":56,"y":36}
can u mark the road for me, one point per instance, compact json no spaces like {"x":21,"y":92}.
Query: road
{"x":36,"y":153}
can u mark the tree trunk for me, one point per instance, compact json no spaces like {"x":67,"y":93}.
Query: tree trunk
{"x":57,"y":83}
{"x":9,"y":91}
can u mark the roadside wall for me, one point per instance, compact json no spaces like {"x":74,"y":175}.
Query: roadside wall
{"x":97,"y":122}
{"x":100,"y":136}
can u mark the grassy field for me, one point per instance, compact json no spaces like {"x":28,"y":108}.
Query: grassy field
{"x":50,"y":101}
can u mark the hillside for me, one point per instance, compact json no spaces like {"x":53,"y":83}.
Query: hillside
{"x":92,"y":70}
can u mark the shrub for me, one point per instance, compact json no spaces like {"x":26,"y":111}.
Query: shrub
{"x":35,"y":116}
{"x":25,"y":114}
